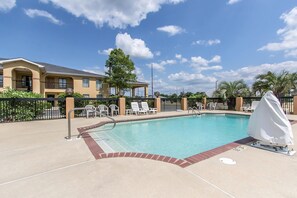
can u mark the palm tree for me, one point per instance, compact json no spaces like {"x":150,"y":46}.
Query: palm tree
{"x":234,"y":89}
{"x":230,"y":90}
{"x":280,"y":84}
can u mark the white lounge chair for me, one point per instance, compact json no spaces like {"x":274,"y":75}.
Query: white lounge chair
{"x":103,"y":110}
{"x":90,"y":109}
{"x":212,"y":105}
{"x":114,"y":109}
{"x":145,"y":107}
{"x":245,"y":107}
{"x":136,"y":109}
{"x":199,"y":105}
{"x":253,"y":106}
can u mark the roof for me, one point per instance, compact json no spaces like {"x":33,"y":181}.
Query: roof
{"x":53,"y":69}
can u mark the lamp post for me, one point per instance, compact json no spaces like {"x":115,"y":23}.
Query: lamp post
{"x":152,"y":79}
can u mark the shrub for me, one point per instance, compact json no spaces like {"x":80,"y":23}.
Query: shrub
{"x":20,"y":106}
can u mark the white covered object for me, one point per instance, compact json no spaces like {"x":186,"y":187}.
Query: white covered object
{"x":269,"y":123}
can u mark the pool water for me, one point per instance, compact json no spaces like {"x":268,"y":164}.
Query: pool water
{"x":178,"y":137}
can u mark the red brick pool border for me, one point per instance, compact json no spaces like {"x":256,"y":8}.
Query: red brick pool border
{"x":98,"y":152}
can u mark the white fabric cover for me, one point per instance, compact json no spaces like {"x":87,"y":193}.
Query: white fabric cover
{"x":269,"y":123}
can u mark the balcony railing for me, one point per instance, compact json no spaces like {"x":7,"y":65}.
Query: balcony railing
{"x":50,"y":85}
{"x":26,"y":85}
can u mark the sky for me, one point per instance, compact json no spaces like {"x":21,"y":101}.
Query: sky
{"x":191,"y":45}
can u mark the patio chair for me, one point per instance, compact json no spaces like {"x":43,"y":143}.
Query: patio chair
{"x":136,"y":109}
{"x":212,"y":105}
{"x":245,"y":107}
{"x":103,"y":110}
{"x":114,"y":109}
{"x":253,"y":106}
{"x":90,"y":109}
{"x":199,"y":105}
{"x":145,"y":107}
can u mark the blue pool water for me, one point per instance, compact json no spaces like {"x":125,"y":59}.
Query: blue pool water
{"x":178,"y":137}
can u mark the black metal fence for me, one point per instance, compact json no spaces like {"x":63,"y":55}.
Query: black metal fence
{"x":82,"y":102}
{"x":192,"y":101}
{"x":27,"y":109}
{"x":287,"y":102}
{"x":170,"y":104}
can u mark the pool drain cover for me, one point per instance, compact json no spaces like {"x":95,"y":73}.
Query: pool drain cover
{"x":228,"y":161}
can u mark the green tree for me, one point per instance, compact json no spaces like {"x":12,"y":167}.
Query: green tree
{"x":280,"y":84}
{"x":120,"y":70}
{"x":232,"y":89}
{"x":229,"y":90}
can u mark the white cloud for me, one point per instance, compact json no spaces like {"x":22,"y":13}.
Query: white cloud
{"x":248,"y":73}
{"x":41,"y":13}
{"x":201,"y":64}
{"x":6,"y":5}
{"x":44,"y":1}
{"x":288,"y":35}
{"x":139,"y":74}
{"x":230,"y":2}
{"x":207,"y":42}
{"x":158,"y":53}
{"x":133,"y":47}
{"x":161,"y":66}
{"x":168,"y":62}
{"x":117,"y":14}
{"x":156,"y":66}
{"x":215,"y":59}
{"x":171,"y":29}
{"x":191,"y":78}
{"x":105,"y":52}
{"x":181,"y":58}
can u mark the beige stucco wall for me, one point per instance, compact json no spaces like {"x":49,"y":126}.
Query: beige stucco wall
{"x":91,"y":90}
{"x":39,"y":78}
{"x":10,"y":74}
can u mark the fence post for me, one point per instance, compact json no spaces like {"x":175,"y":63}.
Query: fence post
{"x":157,"y":104}
{"x":239,"y":102}
{"x":204,"y":102}
{"x":69,"y":106}
{"x":295,"y":105}
{"x":184,"y":104}
{"x":122,"y":105}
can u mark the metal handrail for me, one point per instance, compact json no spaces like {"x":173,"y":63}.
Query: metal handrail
{"x":194,"y":110}
{"x":80,"y":134}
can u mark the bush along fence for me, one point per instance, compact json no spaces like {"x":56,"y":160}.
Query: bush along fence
{"x":27,"y":109}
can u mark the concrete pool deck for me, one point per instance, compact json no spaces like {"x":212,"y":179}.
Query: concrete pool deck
{"x":36,"y":161}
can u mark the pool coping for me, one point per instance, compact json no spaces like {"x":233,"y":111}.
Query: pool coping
{"x":99,"y":153}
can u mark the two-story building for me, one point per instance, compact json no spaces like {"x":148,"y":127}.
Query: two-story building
{"x":51,"y":80}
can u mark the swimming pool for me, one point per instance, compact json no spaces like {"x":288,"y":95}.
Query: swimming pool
{"x":178,"y":137}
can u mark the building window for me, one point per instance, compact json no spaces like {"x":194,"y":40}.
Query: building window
{"x":98,"y":84}
{"x":62,"y":83}
{"x":1,"y":80}
{"x":85,"y":82}
{"x":99,"y":96}
{"x":86,"y":95}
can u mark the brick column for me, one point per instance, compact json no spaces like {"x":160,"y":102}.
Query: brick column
{"x":239,"y":103}
{"x":122,"y":105}
{"x":204,"y":102}
{"x":157,"y":104}
{"x":69,"y":106}
{"x":184,"y":104}
{"x":295,"y":105}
